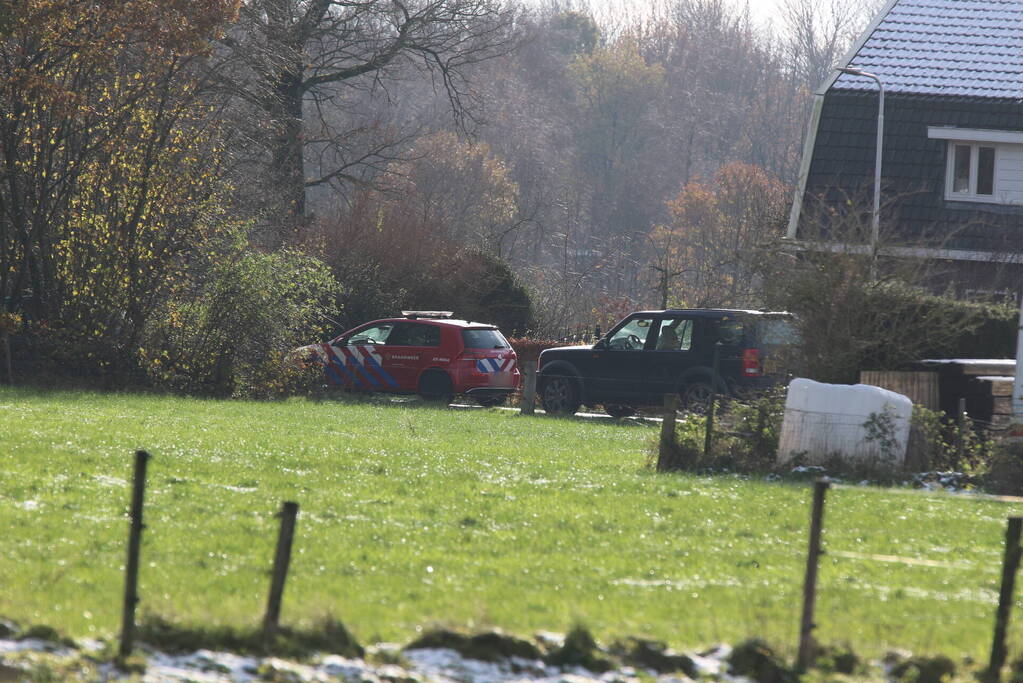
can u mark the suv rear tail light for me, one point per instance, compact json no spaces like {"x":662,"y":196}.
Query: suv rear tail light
{"x":751,"y":363}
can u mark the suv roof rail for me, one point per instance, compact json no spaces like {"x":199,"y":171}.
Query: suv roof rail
{"x":427,"y":314}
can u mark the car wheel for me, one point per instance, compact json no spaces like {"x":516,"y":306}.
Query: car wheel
{"x":560,"y":396}
{"x":491,"y":401}
{"x":696,"y":397}
{"x":619,"y":411}
{"x":435,"y":386}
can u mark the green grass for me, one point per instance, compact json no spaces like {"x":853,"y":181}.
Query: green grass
{"x":413,"y":516}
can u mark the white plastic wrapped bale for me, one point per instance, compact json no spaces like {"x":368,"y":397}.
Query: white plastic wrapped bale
{"x":825,"y":421}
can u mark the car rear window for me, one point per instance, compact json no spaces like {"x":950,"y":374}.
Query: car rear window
{"x":778,"y":331}
{"x":484,"y":339}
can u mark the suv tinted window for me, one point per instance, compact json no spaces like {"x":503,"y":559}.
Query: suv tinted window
{"x":729,"y":331}
{"x":484,"y":339}
{"x":676,"y":334}
{"x":777,"y":331}
{"x":414,"y":334}
{"x":631,"y":336}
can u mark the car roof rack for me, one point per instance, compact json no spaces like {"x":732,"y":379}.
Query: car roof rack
{"x":427,"y":314}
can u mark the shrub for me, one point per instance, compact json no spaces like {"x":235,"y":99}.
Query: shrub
{"x":483,"y":288}
{"x":754,"y":428}
{"x":371,"y":290}
{"x":887,"y":325}
{"x":428,"y":271}
{"x":939,"y":443}
{"x":745,"y":437}
{"x":529,"y":348}
{"x":230,"y":335}
{"x":854,"y":314}
{"x":1005,"y":474}
{"x":50,"y":352}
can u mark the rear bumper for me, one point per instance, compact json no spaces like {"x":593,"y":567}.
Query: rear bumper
{"x":468,"y":380}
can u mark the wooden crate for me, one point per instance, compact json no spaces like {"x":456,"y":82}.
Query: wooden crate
{"x":1000,"y":389}
{"x":921,"y":386}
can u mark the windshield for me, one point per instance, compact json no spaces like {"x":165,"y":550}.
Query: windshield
{"x":484,"y":339}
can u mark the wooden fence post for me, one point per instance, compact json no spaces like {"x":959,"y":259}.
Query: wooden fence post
{"x":666,"y":446}
{"x":1010,"y":565}
{"x":282,"y":558}
{"x":5,"y":345}
{"x":528,"y":402}
{"x":807,"y":625}
{"x":708,"y":441}
{"x":961,"y":433}
{"x":131,"y":567}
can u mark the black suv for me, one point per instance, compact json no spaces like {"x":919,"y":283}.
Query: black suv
{"x":653,"y":353}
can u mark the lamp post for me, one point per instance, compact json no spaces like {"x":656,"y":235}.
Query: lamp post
{"x":875,"y":215}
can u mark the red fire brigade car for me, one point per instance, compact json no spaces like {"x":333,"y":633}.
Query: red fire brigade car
{"x":424,"y":352}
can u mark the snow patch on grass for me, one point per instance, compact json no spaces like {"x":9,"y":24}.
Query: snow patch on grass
{"x":427,"y":665}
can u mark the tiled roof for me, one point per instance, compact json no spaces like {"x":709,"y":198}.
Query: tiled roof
{"x":970,"y":48}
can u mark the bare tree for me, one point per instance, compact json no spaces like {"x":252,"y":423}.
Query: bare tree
{"x":297,"y":63}
{"x":820,"y":31}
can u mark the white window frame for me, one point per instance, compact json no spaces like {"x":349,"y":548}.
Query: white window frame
{"x":975,"y":138}
{"x":950,"y":167}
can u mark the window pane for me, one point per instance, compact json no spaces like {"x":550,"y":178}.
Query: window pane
{"x":371,"y":335}
{"x":676,"y":334}
{"x":414,"y":334}
{"x":961,"y":170}
{"x":778,"y":331}
{"x":986,"y":170}
{"x":481,"y":339}
{"x":685,"y":337}
{"x":632,"y":335}
{"x":400,"y":334}
{"x":730,"y":332}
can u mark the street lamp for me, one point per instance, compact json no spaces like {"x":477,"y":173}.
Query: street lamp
{"x":875,"y":215}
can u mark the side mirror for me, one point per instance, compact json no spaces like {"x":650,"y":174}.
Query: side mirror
{"x":601,"y":345}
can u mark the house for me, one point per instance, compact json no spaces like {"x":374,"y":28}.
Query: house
{"x":952,"y":143}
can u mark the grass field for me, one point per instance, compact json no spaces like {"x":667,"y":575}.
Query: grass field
{"x":413,"y":516}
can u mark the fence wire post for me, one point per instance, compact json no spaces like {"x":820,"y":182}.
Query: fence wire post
{"x":5,"y":344}
{"x":708,"y":441}
{"x":131,"y":567}
{"x":282,"y":558}
{"x":807,"y":625}
{"x":667,"y":458}
{"x":1009,"y":567}
{"x":961,"y":418}
{"x":528,"y":403}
